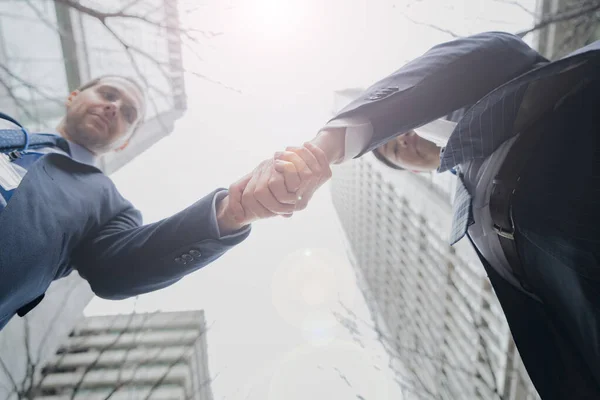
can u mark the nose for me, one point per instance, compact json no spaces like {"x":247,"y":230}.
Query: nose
{"x":405,"y":139}
{"x":402,"y":141}
{"x":110,"y":111}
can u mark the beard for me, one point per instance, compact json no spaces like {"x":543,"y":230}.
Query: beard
{"x":83,"y":131}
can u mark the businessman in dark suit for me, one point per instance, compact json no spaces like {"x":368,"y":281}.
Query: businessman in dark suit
{"x":59,"y":213}
{"x":525,"y":147}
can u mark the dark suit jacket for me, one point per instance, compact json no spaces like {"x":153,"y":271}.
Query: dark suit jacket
{"x":479,"y":71}
{"x":66,"y":215}
{"x":446,"y":78}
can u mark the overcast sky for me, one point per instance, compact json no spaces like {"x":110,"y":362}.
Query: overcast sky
{"x":271,"y":298}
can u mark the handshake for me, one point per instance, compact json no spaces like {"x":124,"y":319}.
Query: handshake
{"x":278,"y":186}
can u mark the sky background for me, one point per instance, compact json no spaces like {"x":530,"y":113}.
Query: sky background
{"x":270,"y":299}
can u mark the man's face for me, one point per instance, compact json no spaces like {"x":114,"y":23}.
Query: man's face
{"x":412,"y":152}
{"x":103,"y":117}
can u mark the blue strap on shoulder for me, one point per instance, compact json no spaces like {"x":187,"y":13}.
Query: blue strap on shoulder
{"x":14,"y":121}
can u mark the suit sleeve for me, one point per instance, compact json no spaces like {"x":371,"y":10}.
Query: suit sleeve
{"x":446,"y":78}
{"x":125,"y":258}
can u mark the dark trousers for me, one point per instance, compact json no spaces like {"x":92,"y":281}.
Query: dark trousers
{"x":557,"y":218}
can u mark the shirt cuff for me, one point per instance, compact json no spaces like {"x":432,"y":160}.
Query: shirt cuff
{"x":213,"y":219}
{"x":359,"y":131}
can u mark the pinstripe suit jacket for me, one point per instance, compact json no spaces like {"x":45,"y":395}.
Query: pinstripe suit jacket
{"x":505,"y":87}
{"x":502,"y":83}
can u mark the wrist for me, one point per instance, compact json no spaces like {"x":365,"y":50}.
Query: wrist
{"x":227,"y":220}
{"x":332,"y":142}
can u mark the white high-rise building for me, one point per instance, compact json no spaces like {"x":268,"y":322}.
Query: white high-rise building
{"x":154,"y":356}
{"x":432,"y":302}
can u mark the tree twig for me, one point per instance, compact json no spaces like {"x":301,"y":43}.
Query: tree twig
{"x":432,"y":26}
{"x":93,"y":364}
{"x":562,"y":16}
{"x":518,"y":5}
{"x":18,"y":101}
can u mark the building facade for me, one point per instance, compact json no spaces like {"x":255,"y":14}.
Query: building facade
{"x":32,"y":340}
{"x":154,"y":356}
{"x":432,"y":303}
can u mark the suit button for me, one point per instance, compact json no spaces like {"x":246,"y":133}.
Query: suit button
{"x":187,"y":257}
{"x":180,"y":260}
{"x":195,"y":253}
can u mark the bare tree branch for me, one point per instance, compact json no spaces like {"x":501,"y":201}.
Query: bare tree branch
{"x":203,"y":384}
{"x":129,"y":5}
{"x":389,"y":341}
{"x":119,"y":384}
{"x":137,"y":69}
{"x":30,"y":389}
{"x":160,"y":381}
{"x":38,"y":13}
{"x":18,"y":101}
{"x":432,"y":26}
{"x":104,"y":16}
{"x":55,"y":319}
{"x":8,"y":373}
{"x":190,"y":38}
{"x":517,"y":4}
{"x":93,"y":364}
{"x":30,"y":366}
{"x":592,"y":7}
{"x":206,"y":78}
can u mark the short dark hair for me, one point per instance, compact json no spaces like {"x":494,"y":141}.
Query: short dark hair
{"x":385,"y":160}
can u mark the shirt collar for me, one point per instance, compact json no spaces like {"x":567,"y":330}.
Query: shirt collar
{"x":81,"y":154}
{"x":78,"y":152}
{"x":437,"y":131}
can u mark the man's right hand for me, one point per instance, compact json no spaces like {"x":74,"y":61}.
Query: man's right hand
{"x":281,"y":185}
{"x":251,"y":198}
{"x":278,"y":186}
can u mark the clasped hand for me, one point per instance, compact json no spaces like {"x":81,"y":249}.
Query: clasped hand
{"x":280,"y":185}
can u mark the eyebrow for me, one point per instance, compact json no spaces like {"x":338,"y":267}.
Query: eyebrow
{"x":124,"y":96}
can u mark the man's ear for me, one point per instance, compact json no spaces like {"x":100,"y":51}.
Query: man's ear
{"x":72,"y":96}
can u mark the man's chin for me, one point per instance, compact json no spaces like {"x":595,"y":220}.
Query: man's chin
{"x":87,"y":142}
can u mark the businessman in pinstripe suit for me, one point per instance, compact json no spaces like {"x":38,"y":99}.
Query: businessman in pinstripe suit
{"x":526,"y":150}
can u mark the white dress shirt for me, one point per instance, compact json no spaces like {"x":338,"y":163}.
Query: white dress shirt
{"x":359,"y":132}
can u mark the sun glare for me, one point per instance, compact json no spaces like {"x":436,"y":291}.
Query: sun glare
{"x":275,"y":18}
